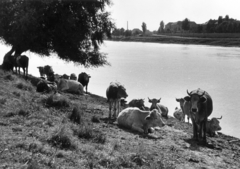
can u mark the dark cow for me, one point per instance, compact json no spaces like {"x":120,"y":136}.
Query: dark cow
{"x":201,"y":107}
{"x":139,"y":103}
{"x":185,"y":106}
{"x":73,"y":76}
{"x":48,"y":71}
{"x":163,"y":110}
{"x":21,"y":61}
{"x":8,"y":60}
{"x":83,"y":78}
{"x":45,"y":86}
{"x":115,"y":92}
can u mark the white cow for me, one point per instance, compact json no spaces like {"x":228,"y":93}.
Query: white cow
{"x":139,"y":120}
{"x":178,"y":114}
{"x":212,"y":126}
{"x":70,"y":86}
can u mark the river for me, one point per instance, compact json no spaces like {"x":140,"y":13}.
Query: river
{"x":163,"y":71}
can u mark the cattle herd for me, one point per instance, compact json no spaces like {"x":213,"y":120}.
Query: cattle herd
{"x":197,"y":105}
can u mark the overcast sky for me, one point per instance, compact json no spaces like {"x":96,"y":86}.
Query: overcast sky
{"x":152,"y":12}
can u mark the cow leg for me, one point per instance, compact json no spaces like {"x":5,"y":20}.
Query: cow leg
{"x":118,"y":107}
{"x":110,"y":108}
{"x":115,"y":108}
{"x":137,"y":128}
{"x":204,"y":131}
{"x":86,"y":89}
{"x":195,"y":131}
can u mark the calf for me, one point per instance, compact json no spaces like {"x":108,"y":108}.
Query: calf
{"x":83,"y":78}
{"x":115,"y":92}
{"x":163,"y":110}
{"x":139,"y":120}
{"x":185,"y":106}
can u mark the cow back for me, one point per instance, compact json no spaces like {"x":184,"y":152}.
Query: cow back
{"x":83,"y":78}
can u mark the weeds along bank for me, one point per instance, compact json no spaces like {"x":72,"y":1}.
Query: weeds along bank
{"x":70,"y":131}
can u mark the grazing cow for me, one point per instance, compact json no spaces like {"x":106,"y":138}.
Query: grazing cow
{"x":139,"y":120}
{"x":46,"y":70}
{"x":213,"y":126}
{"x":139,"y":103}
{"x":83,"y":78}
{"x":201,"y":107}
{"x":178,"y":114}
{"x":185,"y":106}
{"x":163,"y":110}
{"x":115,"y":92}
{"x":70,"y":86}
{"x":73,"y":76}
{"x":45,"y":86}
{"x":21,"y":61}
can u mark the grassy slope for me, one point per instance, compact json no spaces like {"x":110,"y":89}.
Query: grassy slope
{"x":36,"y":135}
{"x":228,"y":42}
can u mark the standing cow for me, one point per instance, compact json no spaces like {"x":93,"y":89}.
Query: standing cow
{"x":163,"y":110}
{"x":201,"y":107}
{"x":115,"y":92}
{"x":21,"y":61}
{"x":83,"y":78}
{"x":185,"y":106}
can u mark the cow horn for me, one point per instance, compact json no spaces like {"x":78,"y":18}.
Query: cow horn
{"x":219,"y":118}
{"x":202,"y":94}
{"x":188,"y":93}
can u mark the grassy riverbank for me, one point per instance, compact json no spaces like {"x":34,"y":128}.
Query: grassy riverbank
{"x":37,"y":134}
{"x":179,"y":39}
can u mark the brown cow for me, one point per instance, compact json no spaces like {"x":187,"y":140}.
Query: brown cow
{"x":115,"y":92}
{"x":201,"y":107}
{"x":185,"y":106}
{"x":163,"y":110}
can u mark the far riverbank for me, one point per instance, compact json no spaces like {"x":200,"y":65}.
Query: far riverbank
{"x":225,"y":42}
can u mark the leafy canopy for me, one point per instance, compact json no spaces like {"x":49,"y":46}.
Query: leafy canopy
{"x":73,"y":29}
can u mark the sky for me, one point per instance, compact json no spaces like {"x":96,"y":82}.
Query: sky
{"x":152,"y":12}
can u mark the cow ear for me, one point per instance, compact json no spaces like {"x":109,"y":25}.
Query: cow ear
{"x":159,"y":100}
{"x":148,"y":117}
{"x":178,"y":100}
{"x":187,"y":98}
{"x":149,"y":100}
{"x":203,"y":99}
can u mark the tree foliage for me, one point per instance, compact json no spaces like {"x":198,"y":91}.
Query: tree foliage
{"x":186,"y":24}
{"x":144,"y":27}
{"x":73,"y":29}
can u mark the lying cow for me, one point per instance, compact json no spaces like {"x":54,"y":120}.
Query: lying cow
{"x":64,"y":76}
{"x":163,"y":110}
{"x":73,"y":76}
{"x":212,"y":126}
{"x":70,"y":86}
{"x":139,"y":103}
{"x":139,"y":120}
{"x":45,"y":86}
{"x":178,"y":114}
{"x":83,"y":78}
{"x":185,"y":106}
{"x":115,"y":92}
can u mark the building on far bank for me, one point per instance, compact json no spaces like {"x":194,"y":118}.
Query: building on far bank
{"x":176,"y":27}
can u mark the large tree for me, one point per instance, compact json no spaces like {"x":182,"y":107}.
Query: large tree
{"x":73,"y":29}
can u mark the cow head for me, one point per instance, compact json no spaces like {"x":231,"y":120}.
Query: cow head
{"x":195,"y":100}
{"x":181,"y":101}
{"x":154,"y":101}
{"x":215,"y":126}
{"x":122,"y":92}
{"x":154,"y":119}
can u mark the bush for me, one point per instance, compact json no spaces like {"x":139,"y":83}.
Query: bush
{"x":76,"y":115}
{"x":57,"y":100}
{"x":62,"y":139}
{"x":87,"y":132}
{"x":23,"y":85}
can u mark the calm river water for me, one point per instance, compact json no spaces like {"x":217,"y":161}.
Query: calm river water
{"x":164,"y":71}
